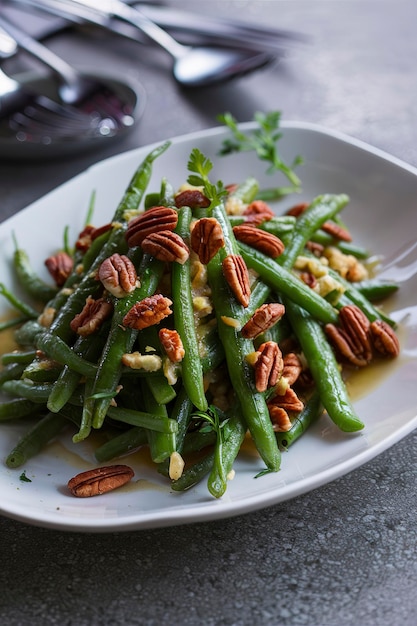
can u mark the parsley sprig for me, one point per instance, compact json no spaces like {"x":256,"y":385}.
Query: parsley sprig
{"x":200,"y":167}
{"x":263,"y":140}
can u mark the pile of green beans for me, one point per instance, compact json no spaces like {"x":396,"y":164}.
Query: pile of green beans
{"x":63,"y":382}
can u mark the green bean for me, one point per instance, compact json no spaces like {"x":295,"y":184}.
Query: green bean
{"x":191,"y":367}
{"x":18,"y":407}
{"x":57,"y":349}
{"x":26,"y":334}
{"x":36,"y":393}
{"x":313,"y":408}
{"x":161,"y":444}
{"x":319,"y":211}
{"x":285,"y":283}
{"x":246,"y":191}
{"x":324,"y":368}
{"x":42,"y":370}
{"x":374,"y":289}
{"x":194,"y":474}
{"x":18,"y":304}
{"x":87,"y":348}
{"x":86,"y":413}
{"x":32,"y":284}
{"x":35,"y":439}
{"x":181,"y":413}
{"x":11,"y":323}
{"x":144,"y":419}
{"x":254,"y":408}
{"x":276,"y":193}
{"x":226,"y":450}
{"x":196,"y":440}
{"x":17,"y":356}
{"x":12,"y":371}
{"x":120,"y":445}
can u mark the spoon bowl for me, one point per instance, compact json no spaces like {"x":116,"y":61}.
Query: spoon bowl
{"x":45,"y":141}
{"x":205,"y":66}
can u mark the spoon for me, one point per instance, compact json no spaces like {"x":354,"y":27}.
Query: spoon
{"x":194,"y":66}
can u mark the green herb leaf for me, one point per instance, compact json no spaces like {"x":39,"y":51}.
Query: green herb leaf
{"x":263,"y":140}
{"x":24,"y":478}
{"x":200,"y":167}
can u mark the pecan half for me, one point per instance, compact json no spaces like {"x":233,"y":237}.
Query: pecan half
{"x":97,"y":481}
{"x":237,"y":277}
{"x":257,"y":212}
{"x":172,"y":344}
{"x":151,"y":221}
{"x":264,"y":317}
{"x":384,"y":339}
{"x":93,"y":314}
{"x":268,"y":366}
{"x":59,"y":266}
{"x":148,"y":312}
{"x":166,"y":246}
{"x":206,"y":238}
{"x":259,"y":239}
{"x":118,"y":275}
{"x":336,"y":231}
{"x":193,"y":198}
{"x":288,"y":401}
{"x":352,"y":338}
{"x":297,"y":209}
{"x":292,"y":367}
{"x":280,"y":419}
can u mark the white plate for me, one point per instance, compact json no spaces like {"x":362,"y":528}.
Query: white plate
{"x":381,"y":215}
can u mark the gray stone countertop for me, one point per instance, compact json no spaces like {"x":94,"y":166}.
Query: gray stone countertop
{"x":343,"y":554}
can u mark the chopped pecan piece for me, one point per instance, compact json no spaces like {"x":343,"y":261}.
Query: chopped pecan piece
{"x":352,"y":338}
{"x":206,"y":238}
{"x":384,"y":339}
{"x":309,"y":279}
{"x":93,"y":314}
{"x":59,"y":266}
{"x":151,"y":221}
{"x":264,"y":317}
{"x":237,"y":277}
{"x":148,"y":312}
{"x":193,"y":198}
{"x":257,"y":212}
{"x":166,"y":246}
{"x":292,"y":367}
{"x":118,"y":275}
{"x":316,"y":248}
{"x":268,"y":366}
{"x":259,"y":239}
{"x":172,"y":344}
{"x":97,"y":481}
